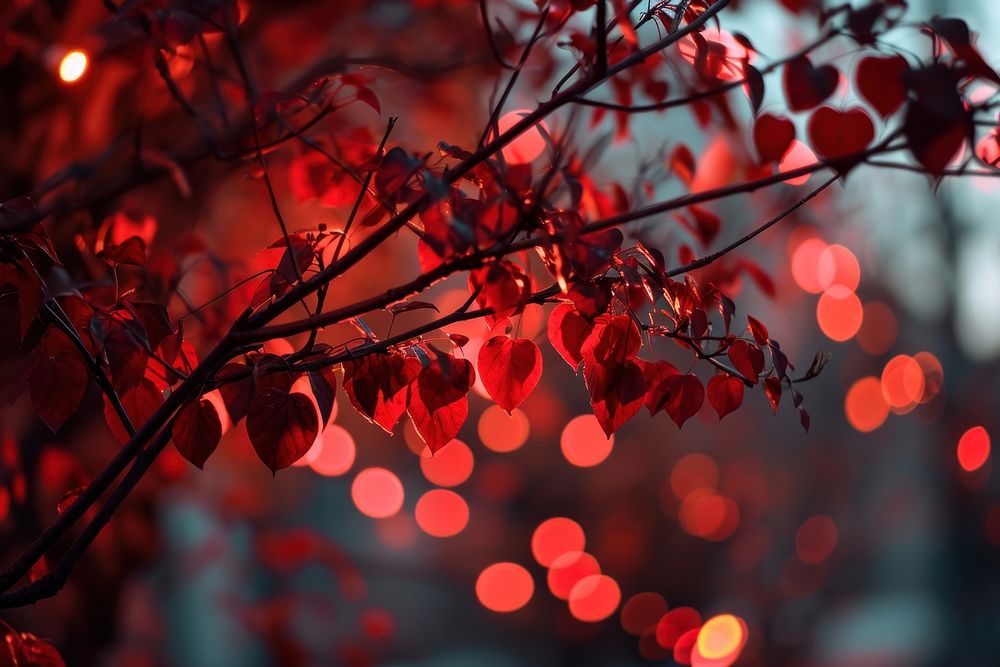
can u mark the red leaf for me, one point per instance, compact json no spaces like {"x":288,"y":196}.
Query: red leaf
{"x":502,"y":286}
{"x":197,"y":431}
{"x":58,"y":379}
{"x":324,"y":388}
{"x":510,"y":369}
{"x":772,"y":389}
{"x":438,"y":403}
{"x":683,"y":397}
{"x":282,"y":425}
{"x":131,"y":251}
{"x":747,"y":359}
{"x":725,"y":394}
{"x":758,"y":330}
{"x":615,"y":339}
{"x":376,"y":386}
{"x":807,"y":86}
{"x":880,"y":82}
{"x":236,"y":394}
{"x":23,"y":649}
{"x":568,"y":329}
{"x":656,"y":375}
{"x":140,"y":402}
{"x":617,"y":392}
{"x":836,"y":134}
{"x":773,"y":137}
{"x":682,"y":163}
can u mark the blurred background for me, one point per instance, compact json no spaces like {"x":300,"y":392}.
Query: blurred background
{"x":871,"y":540}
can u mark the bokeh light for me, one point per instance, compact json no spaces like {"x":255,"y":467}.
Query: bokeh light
{"x":973,"y":449}
{"x":442,"y":513}
{"x":449,"y":466}
{"x":554,"y":537}
{"x":878,"y":328}
{"x":529,"y":145}
{"x":865,"y":406}
{"x":584,"y":443}
{"x":501,"y":432}
{"x":805,"y":265}
{"x":675,"y":623}
{"x":642,"y":611}
{"x":798,"y":156}
{"x":377,"y":493}
{"x":568,"y":569}
{"x":933,"y":375}
{"x":73,"y":66}
{"x":839,"y":313}
{"x":594,"y":598}
{"x":335,"y":452}
{"x":692,"y":473}
{"x":504,"y":587}
{"x":902,"y":383}
{"x":720,"y":640}
{"x":837,"y":265}
{"x":815,"y":539}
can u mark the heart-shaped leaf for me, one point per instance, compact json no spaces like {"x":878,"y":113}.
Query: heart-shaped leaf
{"x":510,"y":369}
{"x":197,"y":430}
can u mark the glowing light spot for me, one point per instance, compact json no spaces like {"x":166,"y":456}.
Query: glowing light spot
{"x":693,"y":473}
{"x":377,"y":624}
{"x":594,"y":598}
{"x":504,"y":587}
{"x":584,"y":443}
{"x":878,"y":328}
{"x":798,"y":156}
{"x":973,"y":449}
{"x":839,"y":313}
{"x":720,"y":640}
{"x":642,"y":612}
{"x":933,"y":375}
{"x":377,"y":493}
{"x":442,"y":513}
{"x":838,"y":266}
{"x":676,"y":623}
{"x":449,"y":466}
{"x":73,"y":66}
{"x":501,"y":432}
{"x":568,"y":569}
{"x":815,"y":539}
{"x":865,"y":406}
{"x":554,"y":537}
{"x":902,"y":382}
{"x":529,"y":145}
{"x":708,"y":515}
{"x":335,"y":452}
{"x":805,"y":264}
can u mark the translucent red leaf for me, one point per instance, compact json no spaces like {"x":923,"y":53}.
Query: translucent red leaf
{"x":568,"y":329}
{"x":510,"y":369}
{"x":502,"y":286}
{"x":772,"y":389}
{"x":747,"y":359}
{"x":197,"y":431}
{"x":683,"y":396}
{"x":615,"y":339}
{"x":617,"y":392}
{"x":438,"y":403}
{"x":656,"y":374}
{"x":376,"y":386}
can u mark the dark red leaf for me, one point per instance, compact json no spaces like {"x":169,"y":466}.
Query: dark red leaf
{"x":236,"y":394}
{"x":880,"y":82}
{"x":438,"y":400}
{"x":197,"y":430}
{"x":510,"y":369}
{"x":59,"y":378}
{"x":773,"y":137}
{"x":725,"y":394}
{"x":807,"y":86}
{"x":835,"y":134}
{"x":281,"y":424}
{"x":131,"y":251}
{"x":568,"y":329}
{"x":324,"y":388}
{"x":140,"y":402}
{"x":656,"y":375}
{"x":682,"y":397}
{"x":23,"y":649}
{"x":502,"y":286}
